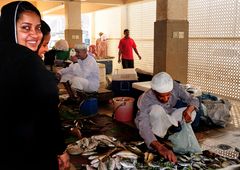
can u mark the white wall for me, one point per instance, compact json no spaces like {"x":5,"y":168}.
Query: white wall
{"x":139,"y":18}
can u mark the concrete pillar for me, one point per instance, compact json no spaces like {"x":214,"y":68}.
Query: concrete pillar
{"x":171,"y":38}
{"x":93,"y":32}
{"x":124,"y":18}
{"x":73,"y":31}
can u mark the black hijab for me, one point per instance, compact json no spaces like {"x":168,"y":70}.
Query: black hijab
{"x":10,"y":13}
{"x":45,"y":31}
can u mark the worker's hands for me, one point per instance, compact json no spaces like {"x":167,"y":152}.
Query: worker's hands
{"x":58,"y":75}
{"x":187,"y":117}
{"x":187,"y":113}
{"x":139,"y":57}
{"x":74,"y":59}
{"x":163,"y":151}
{"x":167,"y":154}
{"x":64,"y":161}
{"x":119,"y":56}
{"x":119,"y":60}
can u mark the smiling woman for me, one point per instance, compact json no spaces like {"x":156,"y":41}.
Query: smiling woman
{"x":31,"y":129}
{"x":29,"y":30}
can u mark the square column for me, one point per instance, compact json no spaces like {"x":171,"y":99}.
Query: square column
{"x":73,"y":31}
{"x":171,"y":39}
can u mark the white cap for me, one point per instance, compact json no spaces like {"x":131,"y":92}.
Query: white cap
{"x":82,"y":47}
{"x":162,"y":82}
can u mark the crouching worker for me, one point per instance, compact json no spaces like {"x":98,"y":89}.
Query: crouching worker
{"x":161,"y":109}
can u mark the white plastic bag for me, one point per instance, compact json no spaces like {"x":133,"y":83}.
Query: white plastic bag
{"x":185,"y":141}
{"x":218,"y":111}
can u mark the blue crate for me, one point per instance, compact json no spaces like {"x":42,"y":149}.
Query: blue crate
{"x":89,"y":107}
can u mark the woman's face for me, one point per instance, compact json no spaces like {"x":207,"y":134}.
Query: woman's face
{"x":44,"y":47}
{"x":29,"y":30}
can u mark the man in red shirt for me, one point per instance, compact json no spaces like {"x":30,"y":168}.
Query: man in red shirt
{"x":125,"y":53}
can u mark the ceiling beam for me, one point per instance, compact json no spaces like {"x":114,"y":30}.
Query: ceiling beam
{"x":52,"y":10}
{"x":49,"y":7}
{"x":105,"y":2}
{"x":110,"y":2}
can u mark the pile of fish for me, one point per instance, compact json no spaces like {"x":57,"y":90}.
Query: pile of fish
{"x":87,"y":146}
{"x":207,"y":160}
{"x":120,"y":156}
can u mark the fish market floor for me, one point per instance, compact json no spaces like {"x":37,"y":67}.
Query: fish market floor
{"x":208,"y":138}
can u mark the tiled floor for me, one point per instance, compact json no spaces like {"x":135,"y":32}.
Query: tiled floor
{"x":235,"y":113}
{"x":230,"y":135}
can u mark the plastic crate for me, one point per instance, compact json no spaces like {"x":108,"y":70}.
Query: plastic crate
{"x":108,"y":65}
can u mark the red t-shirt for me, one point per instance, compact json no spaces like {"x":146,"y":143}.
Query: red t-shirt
{"x":125,"y":46}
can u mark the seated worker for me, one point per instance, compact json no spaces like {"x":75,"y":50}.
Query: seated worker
{"x":83,"y":73}
{"x":162,"y":106}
